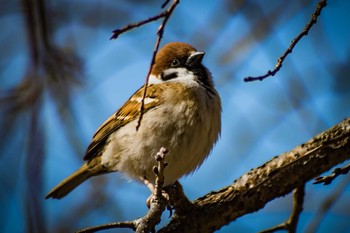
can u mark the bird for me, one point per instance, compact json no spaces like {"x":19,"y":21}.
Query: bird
{"x":182,"y":113}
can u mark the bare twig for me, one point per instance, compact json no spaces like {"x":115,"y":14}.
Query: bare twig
{"x":166,"y":15}
{"x":160,"y":32}
{"x":127,"y":224}
{"x":291,"y":223}
{"x":294,"y":42}
{"x":335,"y":173}
{"x":165,"y":3}
{"x":157,"y":205}
{"x":159,"y":171}
{"x":158,"y":201}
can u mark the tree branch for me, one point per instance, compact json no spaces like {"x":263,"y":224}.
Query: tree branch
{"x":291,"y":223}
{"x":275,"y":178}
{"x":294,"y":42}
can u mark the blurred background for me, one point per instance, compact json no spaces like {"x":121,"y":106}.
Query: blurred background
{"x":61,"y":77}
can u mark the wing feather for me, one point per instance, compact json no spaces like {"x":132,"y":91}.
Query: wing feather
{"x":127,"y":113}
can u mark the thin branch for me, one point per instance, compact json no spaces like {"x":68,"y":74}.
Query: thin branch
{"x":160,"y":32}
{"x":165,"y":3}
{"x":166,"y":15}
{"x":294,"y":42}
{"x":118,"y":32}
{"x":158,"y":204}
{"x":127,"y":224}
{"x":291,"y":223}
{"x":298,"y":197}
{"x":326,"y":180}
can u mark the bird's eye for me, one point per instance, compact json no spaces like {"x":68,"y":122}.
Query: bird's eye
{"x":175,"y":63}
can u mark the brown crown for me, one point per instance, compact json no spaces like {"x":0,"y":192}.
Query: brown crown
{"x":171,"y":51}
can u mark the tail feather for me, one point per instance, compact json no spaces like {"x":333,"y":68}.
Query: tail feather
{"x":70,"y":183}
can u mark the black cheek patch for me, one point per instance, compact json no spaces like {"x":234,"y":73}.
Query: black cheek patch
{"x":168,"y":76}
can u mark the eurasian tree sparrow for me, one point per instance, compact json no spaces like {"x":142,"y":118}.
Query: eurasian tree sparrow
{"x":182,"y":113}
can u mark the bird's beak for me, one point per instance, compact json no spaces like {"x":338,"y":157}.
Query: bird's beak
{"x":195,"y":58}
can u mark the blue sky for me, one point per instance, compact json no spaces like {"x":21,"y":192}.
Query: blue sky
{"x":260,"y":119}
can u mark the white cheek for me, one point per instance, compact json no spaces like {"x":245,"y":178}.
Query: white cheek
{"x":154,"y":79}
{"x":183,"y":75}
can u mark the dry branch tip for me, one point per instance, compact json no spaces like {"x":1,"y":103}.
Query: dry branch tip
{"x":294,"y":42}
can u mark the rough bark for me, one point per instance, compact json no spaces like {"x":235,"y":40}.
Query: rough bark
{"x":255,"y":189}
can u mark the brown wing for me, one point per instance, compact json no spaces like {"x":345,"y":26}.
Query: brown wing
{"x":128,"y":112}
